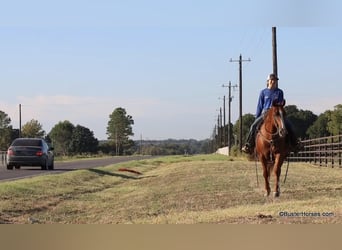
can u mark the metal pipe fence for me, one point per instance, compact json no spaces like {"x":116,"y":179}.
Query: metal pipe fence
{"x":324,"y":151}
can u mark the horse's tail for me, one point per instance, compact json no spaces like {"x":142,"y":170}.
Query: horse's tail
{"x":130,"y":170}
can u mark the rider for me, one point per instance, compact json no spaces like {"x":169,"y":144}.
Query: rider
{"x":266,"y":98}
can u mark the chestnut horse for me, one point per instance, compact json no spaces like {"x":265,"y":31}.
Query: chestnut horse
{"x":271,"y":145}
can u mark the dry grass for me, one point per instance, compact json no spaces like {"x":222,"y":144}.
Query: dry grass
{"x":173,"y":190}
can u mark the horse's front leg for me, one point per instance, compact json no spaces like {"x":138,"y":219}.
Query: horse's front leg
{"x":266,"y":174}
{"x":276,"y":172}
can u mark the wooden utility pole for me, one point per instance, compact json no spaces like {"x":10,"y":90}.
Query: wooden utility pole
{"x":224,"y":121}
{"x":240,"y":95}
{"x":274,"y":49}
{"x":218,"y":133}
{"x":221,"y":130}
{"x":19,"y":120}
{"x":229,"y":114}
{"x":230,"y":98}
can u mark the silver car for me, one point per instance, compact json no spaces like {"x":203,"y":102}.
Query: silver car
{"x":30,"y":152}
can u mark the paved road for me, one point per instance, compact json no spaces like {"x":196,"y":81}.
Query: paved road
{"x":61,"y":167}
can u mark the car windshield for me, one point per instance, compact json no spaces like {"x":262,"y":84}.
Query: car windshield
{"x":27,"y":143}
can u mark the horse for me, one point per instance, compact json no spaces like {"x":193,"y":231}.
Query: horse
{"x":272,"y":146}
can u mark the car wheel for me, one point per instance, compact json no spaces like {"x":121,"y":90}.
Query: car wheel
{"x":52,"y":165}
{"x":17,"y":167}
{"x":10,"y":167}
{"x":45,"y":165}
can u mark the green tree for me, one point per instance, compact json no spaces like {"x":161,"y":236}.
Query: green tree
{"x":61,"y":137}
{"x":32,"y":129}
{"x":128,"y":147}
{"x":301,"y":120}
{"x":119,"y":129}
{"x":335,"y":121}
{"x":105,"y":147}
{"x":5,"y":131}
{"x":83,"y":141}
{"x":320,"y":127}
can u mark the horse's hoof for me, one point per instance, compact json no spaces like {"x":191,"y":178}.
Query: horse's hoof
{"x":266,"y":194}
{"x":276,"y":194}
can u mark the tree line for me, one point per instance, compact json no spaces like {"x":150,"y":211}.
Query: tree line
{"x":69,"y":139}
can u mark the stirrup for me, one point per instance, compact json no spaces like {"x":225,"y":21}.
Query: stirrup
{"x":246,"y":149}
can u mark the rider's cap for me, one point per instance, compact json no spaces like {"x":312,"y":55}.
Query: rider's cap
{"x":272,"y":77}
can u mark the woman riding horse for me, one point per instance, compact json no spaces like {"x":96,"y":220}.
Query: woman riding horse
{"x":266,"y":98}
{"x":271,"y":145}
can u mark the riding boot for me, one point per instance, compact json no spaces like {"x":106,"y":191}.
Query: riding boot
{"x":250,"y":144}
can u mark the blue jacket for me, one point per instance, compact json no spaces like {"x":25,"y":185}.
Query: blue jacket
{"x":266,"y":98}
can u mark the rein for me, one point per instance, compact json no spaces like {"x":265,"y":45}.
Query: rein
{"x":287,"y":169}
{"x":256,"y":170}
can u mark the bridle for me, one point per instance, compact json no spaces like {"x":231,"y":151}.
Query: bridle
{"x":281,"y":128}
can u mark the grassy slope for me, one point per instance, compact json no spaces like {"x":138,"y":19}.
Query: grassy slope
{"x":198,"y":189}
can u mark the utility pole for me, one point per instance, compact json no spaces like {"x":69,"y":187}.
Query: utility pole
{"x":221,"y":127}
{"x":117,"y":151}
{"x":274,"y":52}
{"x":240,"y":95}
{"x":224,"y":120}
{"x":141,"y":144}
{"x":19,"y":120}
{"x":230,"y":98}
{"x":218,"y":132}
{"x":274,"y":49}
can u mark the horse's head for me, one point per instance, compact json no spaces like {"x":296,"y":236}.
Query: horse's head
{"x":278,"y":113}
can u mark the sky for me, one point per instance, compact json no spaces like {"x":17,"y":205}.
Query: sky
{"x":164,"y":62}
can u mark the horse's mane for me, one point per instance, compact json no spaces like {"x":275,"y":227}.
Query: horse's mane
{"x":268,"y":115}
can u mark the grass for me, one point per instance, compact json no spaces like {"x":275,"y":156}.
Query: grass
{"x":174,"y":190}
